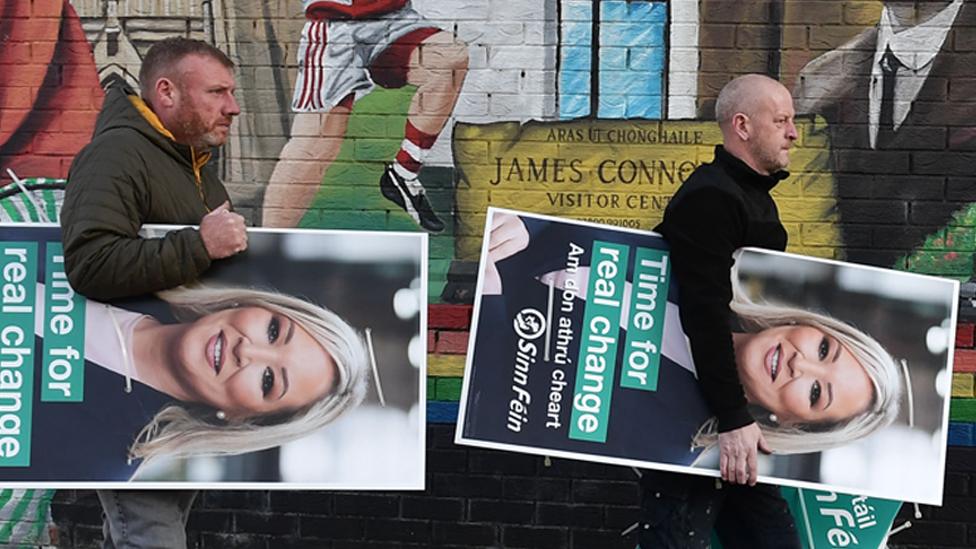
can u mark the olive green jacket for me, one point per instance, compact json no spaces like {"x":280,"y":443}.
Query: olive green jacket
{"x":133,"y":173}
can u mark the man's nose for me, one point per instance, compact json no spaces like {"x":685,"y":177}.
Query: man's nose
{"x":232,"y":108}
{"x":791,"y":132}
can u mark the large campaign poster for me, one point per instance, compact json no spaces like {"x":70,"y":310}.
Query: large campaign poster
{"x":577,"y":351}
{"x":296,"y":364}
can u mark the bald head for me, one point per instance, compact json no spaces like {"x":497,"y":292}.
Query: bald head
{"x":744,"y":95}
{"x":755,"y":114}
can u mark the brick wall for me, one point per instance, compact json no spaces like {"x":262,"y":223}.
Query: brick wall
{"x":484,"y":498}
{"x":477,"y":498}
{"x":951,"y":525}
{"x":567,"y":66}
{"x":474,"y":498}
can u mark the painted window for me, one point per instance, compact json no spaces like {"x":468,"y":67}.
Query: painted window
{"x":612,"y":58}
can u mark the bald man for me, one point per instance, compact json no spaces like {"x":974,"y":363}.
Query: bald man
{"x":723,"y":206}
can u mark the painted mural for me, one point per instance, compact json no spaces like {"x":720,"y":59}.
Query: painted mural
{"x":901,"y":126}
{"x":49,"y":92}
{"x":408,"y":114}
{"x":418,"y":114}
{"x":347,"y":49}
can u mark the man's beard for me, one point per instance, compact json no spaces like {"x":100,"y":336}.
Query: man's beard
{"x":770,"y":160}
{"x":195,"y":130}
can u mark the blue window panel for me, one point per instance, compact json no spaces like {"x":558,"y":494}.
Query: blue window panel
{"x":624,"y":83}
{"x":612,"y":106}
{"x":643,"y":106}
{"x":575,"y":58}
{"x":614,"y":11}
{"x":574,"y":106}
{"x":613,"y":59}
{"x":642,"y":25}
{"x":623,"y":34}
{"x":630,"y":98}
{"x":613,"y":83}
{"x":574,"y":94}
{"x":646,"y":60}
{"x":575,"y":80}
{"x":638,"y":28}
{"x":576,"y":33}
{"x":577,"y":10}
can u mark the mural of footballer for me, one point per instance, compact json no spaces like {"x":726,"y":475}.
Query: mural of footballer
{"x":348,"y":47}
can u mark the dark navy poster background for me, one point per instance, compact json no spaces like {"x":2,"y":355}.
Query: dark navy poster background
{"x":72,"y":442}
{"x":369,"y":279}
{"x":650,"y":426}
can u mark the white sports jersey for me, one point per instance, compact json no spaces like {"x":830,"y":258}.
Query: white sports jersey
{"x":350,"y":9}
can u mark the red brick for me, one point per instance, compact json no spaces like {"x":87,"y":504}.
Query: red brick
{"x":50,"y":10}
{"x":17,"y":52}
{"x":964,"y":335}
{"x":23,"y":74}
{"x":92,"y":100}
{"x":456,"y":317}
{"x":452,"y":343}
{"x":31,"y":125}
{"x":16,"y":97}
{"x":13,"y":11}
{"x":10,"y":120}
{"x":78,"y":121}
{"x":964,"y":361}
{"x":42,"y":52}
{"x":77,"y":98}
{"x":431,"y":340}
{"x":59,"y":143}
{"x":30,"y":165}
{"x":80,"y":75}
{"x":39,"y":28}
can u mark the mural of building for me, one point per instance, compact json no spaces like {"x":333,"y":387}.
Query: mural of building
{"x":593,"y":109}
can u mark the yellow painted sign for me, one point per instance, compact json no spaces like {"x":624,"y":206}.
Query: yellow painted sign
{"x":622,"y":173}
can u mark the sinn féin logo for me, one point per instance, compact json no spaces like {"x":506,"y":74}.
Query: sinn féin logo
{"x":529,"y":324}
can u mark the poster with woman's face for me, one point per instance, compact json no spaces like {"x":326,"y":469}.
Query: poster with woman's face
{"x":297,"y":364}
{"x":578,"y":351}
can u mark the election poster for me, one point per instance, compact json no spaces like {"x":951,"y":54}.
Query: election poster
{"x":827,"y":520}
{"x":296,"y":364}
{"x":577,"y":351}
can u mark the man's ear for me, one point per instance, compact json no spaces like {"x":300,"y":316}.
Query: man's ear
{"x":740,"y":125}
{"x":166,"y":93}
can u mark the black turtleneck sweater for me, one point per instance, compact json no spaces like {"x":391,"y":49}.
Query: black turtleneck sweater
{"x":722,"y":206}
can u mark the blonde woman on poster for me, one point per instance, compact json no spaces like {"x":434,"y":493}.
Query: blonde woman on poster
{"x":242,"y":370}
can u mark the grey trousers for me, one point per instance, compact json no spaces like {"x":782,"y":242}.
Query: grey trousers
{"x":145,"y":519}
